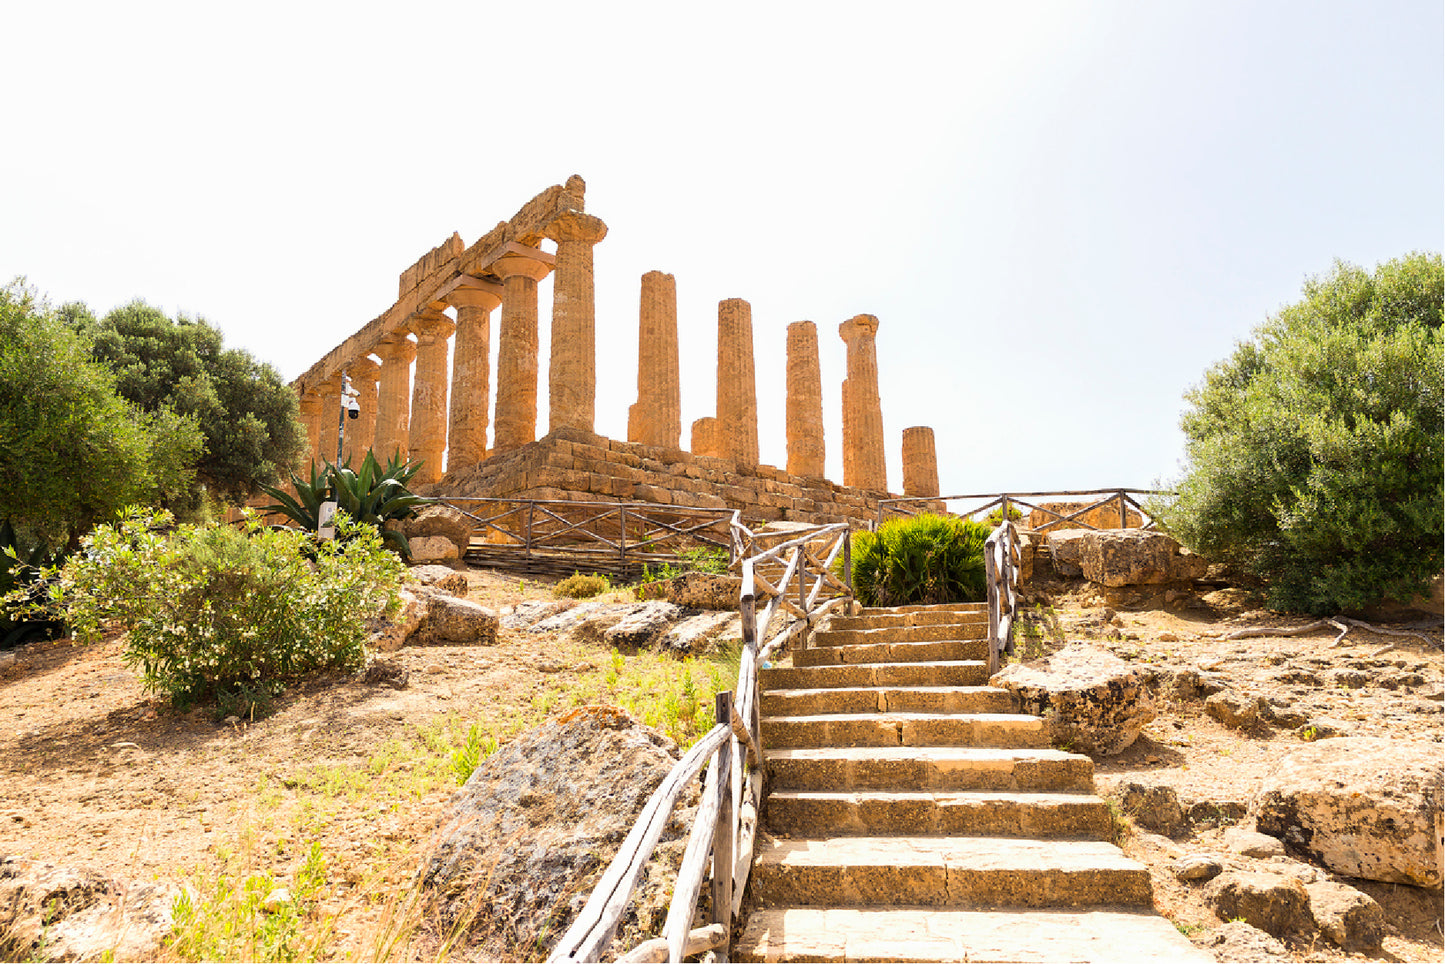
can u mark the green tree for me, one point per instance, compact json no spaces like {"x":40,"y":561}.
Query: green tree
{"x":72,"y":451}
{"x":246,"y":413}
{"x":1314,"y":452}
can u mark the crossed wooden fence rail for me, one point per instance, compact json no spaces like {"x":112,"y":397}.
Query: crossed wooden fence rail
{"x":558,"y":537}
{"x":725,"y":828}
{"x":1001,"y":573}
{"x":1008,"y":502}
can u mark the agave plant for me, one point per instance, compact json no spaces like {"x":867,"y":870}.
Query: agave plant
{"x":371,"y":494}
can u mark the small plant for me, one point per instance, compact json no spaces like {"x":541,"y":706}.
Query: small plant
{"x":1309,"y":734}
{"x":578,"y":586}
{"x":994,"y":518}
{"x":922,"y":559}
{"x":708,"y":559}
{"x":226,"y":617}
{"x":1189,"y":930}
{"x":373,"y":495}
{"x":1121,"y":825}
{"x":476,"y":748}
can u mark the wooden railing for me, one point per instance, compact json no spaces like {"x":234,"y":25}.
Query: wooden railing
{"x":558,"y":537}
{"x":1120,"y":499}
{"x":725,"y":828}
{"x":1001,"y":565}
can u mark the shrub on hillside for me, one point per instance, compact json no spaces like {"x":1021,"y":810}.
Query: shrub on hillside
{"x":228,"y":617}
{"x":921,"y":560}
{"x":578,"y":586}
{"x":1315,"y":450}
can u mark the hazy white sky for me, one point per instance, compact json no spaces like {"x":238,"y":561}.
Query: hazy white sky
{"x":1061,"y":213}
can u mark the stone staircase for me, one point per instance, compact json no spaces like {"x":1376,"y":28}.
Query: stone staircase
{"x":914,"y":816}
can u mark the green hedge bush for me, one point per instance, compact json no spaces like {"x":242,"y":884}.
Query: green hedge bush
{"x":921,"y":560}
{"x":228,"y":617}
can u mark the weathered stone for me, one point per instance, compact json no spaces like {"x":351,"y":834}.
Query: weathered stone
{"x":699,"y":634}
{"x":920,"y":464}
{"x":1152,"y":806}
{"x":471,"y":375}
{"x":525,"y":615}
{"x":864,"y":466}
{"x":1361,"y":806}
{"x":439,"y":577}
{"x":643,"y":626}
{"x":1192,"y":683}
{"x":656,"y":418}
{"x":1053,"y":516}
{"x":1066,"y":549}
{"x":1239,"y":941}
{"x":572,"y":377}
{"x":453,"y":620}
{"x":1322,"y":728}
{"x":1090,"y":699}
{"x":1277,"y":905}
{"x":737,"y":393}
{"x":1196,"y":867}
{"x":540,"y":819}
{"x":1235,"y":710}
{"x":361,"y":431}
{"x":390,"y":634}
{"x":1346,"y":917}
{"x":1131,"y":557}
{"x":393,"y":400}
{"x":806,"y":451}
{"x":432,"y":549}
{"x":428,"y":435}
{"x":515,"y":421}
{"x":309,"y":412}
{"x":702,"y":590}
{"x":1251,"y":843}
{"x":440,"y":520}
{"x":64,"y":914}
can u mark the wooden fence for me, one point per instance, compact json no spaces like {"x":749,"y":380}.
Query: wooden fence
{"x":725,"y":828}
{"x":1001,"y":565}
{"x":556,"y":538}
{"x":1012,"y":504}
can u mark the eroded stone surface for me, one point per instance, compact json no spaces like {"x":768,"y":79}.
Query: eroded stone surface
{"x":656,"y":418}
{"x":1361,"y":806}
{"x":1092,"y":700}
{"x":806,"y":450}
{"x":1277,"y":905}
{"x":55,"y":913}
{"x":863,"y":455}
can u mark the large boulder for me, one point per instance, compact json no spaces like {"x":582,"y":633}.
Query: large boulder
{"x":439,"y":577}
{"x":433,"y":549}
{"x":439,"y":521}
{"x":696,"y":590}
{"x":1346,"y":917}
{"x":539,"y":820}
{"x":643,"y":626}
{"x":1361,"y":806}
{"x":1092,"y":700}
{"x":1275,"y":904}
{"x":1122,"y":557}
{"x":50,"y":913}
{"x":390,"y":633}
{"x":451,"y":619}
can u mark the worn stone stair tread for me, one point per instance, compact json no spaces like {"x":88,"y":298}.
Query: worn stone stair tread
{"x":929,"y":767}
{"x":941,"y":632}
{"x":905,"y":729}
{"x":948,"y":871}
{"x":930,"y":934}
{"x":883,"y":699}
{"x":942,"y":650}
{"x":885,"y":620}
{"x":939,"y":673}
{"x":999,"y":813}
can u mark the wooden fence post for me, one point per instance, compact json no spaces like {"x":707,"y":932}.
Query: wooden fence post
{"x":622,"y":540}
{"x":531,"y":514}
{"x":1123,"y":511}
{"x":722,"y":841}
{"x":848,"y":560}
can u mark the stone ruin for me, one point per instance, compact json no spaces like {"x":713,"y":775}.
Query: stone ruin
{"x":425,"y":415}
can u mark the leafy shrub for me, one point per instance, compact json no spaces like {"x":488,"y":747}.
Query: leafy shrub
{"x":1314,"y":453}
{"x":924,"y":559}
{"x":373,"y":495}
{"x":578,"y":586}
{"x":995,"y":517}
{"x":228,"y":617}
{"x":22,"y":574}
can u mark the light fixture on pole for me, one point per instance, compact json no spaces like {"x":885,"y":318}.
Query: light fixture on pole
{"x":350,"y":408}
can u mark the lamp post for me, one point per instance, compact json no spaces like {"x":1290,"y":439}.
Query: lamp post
{"x":349,"y":408}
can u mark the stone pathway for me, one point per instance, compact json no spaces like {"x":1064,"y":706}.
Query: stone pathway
{"x":916,"y":817}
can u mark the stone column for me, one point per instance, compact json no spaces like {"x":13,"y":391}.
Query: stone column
{"x":428,"y":436}
{"x":737,"y":393}
{"x":471,"y":377}
{"x":361,"y":431}
{"x":805,"y":402}
{"x":515,"y":423}
{"x":310,"y":410}
{"x":656,"y":419}
{"x":920,"y":465}
{"x":330,"y":408}
{"x":393,"y":403}
{"x":572,"y":377}
{"x":863,"y":461}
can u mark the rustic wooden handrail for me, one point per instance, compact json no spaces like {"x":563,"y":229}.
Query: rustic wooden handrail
{"x":1001,"y":559}
{"x":1120,"y":496}
{"x":726,"y":822}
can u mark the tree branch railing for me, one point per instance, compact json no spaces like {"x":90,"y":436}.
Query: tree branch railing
{"x":1120,"y":499}
{"x":619,"y":537}
{"x":725,"y":828}
{"x":1001,"y":566}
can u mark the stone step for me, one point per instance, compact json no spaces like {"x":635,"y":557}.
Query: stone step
{"x":943,"y":651}
{"x":906,"y":634}
{"x":954,"y":608}
{"x":930,"y":934}
{"x":891,"y":620}
{"x":905,"y":729}
{"x":928,"y":768}
{"x":885,"y":699}
{"x":948,"y":872}
{"x":803,"y":813}
{"x":968,"y":672}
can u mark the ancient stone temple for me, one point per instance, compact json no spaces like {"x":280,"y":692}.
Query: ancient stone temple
{"x":425,"y":379}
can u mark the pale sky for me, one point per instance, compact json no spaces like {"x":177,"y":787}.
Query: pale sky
{"x":1061,"y":213}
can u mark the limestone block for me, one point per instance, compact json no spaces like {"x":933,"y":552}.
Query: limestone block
{"x":1093,"y":701}
{"x":515,"y":423}
{"x":656,"y":419}
{"x":1361,"y":806}
{"x":439,"y":577}
{"x":432,"y":549}
{"x":920,"y":462}
{"x":428,"y":433}
{"x":1276,"y":905}
{"x":705,"y":442}
{"x":393,"y":404}
{"x":471,"y":376}
{"x":572,"y":377}
{"x":737,"y":396}
{"x":806,"y":451}
{"x":863,"y":455}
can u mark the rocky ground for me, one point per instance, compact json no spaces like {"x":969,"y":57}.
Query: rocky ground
{"x":94,"y":773}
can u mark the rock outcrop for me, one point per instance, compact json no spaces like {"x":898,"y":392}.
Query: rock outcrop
{"x":54,"y":913}
{"x":1123,"y":557}
{"x":438,"y":521}
{"x":1276,"y":905}
{"x":539,"y":820}
{"x":1091,"y":699}
{"x":1361,"y":806}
